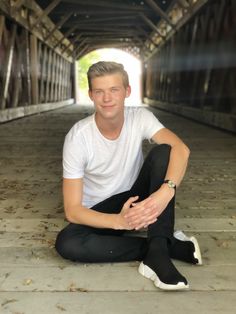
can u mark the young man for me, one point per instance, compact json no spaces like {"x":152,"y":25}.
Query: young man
{"x":108,"y":188}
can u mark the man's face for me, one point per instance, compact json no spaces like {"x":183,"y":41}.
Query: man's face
{"x":108,"y":94}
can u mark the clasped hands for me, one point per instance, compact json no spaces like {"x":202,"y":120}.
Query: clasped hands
{"x":140,"y":214}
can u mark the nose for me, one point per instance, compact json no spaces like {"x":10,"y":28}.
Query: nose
{"x":107,"y":96}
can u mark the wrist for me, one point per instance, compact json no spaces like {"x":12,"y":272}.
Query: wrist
{"x":169,"y":191}
{"x":117,"y":222}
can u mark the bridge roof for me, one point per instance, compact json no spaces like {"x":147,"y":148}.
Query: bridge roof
{"x":138,"y":26}
{"x":75,"y":27}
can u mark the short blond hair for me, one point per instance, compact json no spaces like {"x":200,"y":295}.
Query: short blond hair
{"x":103,"y":68}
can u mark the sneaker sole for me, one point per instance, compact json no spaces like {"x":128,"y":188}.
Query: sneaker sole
{"x":180,"y":235}
{"x":148,"y":273}
{"x":197,"y":253}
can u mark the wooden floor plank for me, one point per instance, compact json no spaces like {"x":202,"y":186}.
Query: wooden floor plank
{"x":217,"y":302}
{"x":217,"y":248}
{"x":56,"y":224}
{"x":109,"y":278}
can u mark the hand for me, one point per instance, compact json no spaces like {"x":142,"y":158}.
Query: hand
{"x":122,"y":222}
{"x":144,"y":213}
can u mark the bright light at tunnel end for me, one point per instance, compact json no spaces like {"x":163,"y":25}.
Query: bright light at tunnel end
{"x":133,"y":67}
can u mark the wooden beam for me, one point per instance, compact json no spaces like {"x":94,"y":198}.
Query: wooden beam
{"x":53,"y":77}
{"x":17,"y":77}
{"x":107,"y":4}
{"x":7,"y":68}
{"x":111,"y":33}
{"x":14,"y":6}
{"x":26,"y":81}
{"x":70,"y":30}
{"x":49,"y":74}
{"x":106,"y":28}
{"x":80,"y":53}
{"x":142,"y":31}
{"x":45,"y":12}
{"x":194,"y":9}
{"x":71,"y":43}
{"x":111,"y":40}
{"x":18,"y":3}
{"x":56,"y":81}
{"x":91,"y":20}
{"x":60,"y":79}
{"x":84,"y":41}
{"x":2,"y":25}
{"x":34,"y":69}
{"x":95,"y":13}
{"x":23,"y":20}
{"x":58,"y":25}
{"x":119,"y":23}
{"x":183,"y":3}
{"x":152,"y":25}
{"x":43,"y":75}
{"x":159,"y":11}
{"x":63,"y":82}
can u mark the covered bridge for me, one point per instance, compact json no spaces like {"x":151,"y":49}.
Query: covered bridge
{"x":187,"y":49}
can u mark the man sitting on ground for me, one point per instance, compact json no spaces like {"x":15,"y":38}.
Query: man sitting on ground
{"x":108,"y":188}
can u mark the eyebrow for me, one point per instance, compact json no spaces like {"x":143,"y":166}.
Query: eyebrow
{"x":116,"y":86}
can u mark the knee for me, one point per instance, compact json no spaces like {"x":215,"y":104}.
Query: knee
{"x":160,"y":153}
{"x":65,"y":246}
{"x":62,"y":245}
{"x":158,"y":159}
{"x":72,"y":246}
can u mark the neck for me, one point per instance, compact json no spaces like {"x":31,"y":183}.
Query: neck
{"x":110,"y":128}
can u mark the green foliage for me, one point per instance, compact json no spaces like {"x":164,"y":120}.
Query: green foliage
{"x":83,"y":65}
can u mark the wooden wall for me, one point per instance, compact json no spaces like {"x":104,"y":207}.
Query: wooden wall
{"x":31,"y":73}
{"x":194,"y":73}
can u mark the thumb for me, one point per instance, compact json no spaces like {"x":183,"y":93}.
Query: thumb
{"x":131,"y":200}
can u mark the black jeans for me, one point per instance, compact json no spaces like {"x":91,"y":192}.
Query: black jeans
{"x":87,"y":244}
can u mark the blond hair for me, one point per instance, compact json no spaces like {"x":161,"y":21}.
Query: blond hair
{"x":103,"y":68}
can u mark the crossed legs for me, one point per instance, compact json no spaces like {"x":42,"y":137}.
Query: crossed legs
{"x":87,"y":244}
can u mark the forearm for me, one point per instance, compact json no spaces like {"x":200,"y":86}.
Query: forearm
{"x":178,"y":161}
{"x":86,"y":216}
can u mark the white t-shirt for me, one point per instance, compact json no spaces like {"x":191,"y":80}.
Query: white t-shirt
{"x":107,"y":166}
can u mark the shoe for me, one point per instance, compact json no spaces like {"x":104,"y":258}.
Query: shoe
{"x":180,"y":235}
{"x":147,"y":272}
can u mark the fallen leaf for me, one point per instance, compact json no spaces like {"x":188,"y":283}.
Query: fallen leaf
{"x":27,"y":282}
{"x":60,"y":307}
{"x":223,"y":244}
{"x":72,"y":287}
{"x":9,"y":301}
{"x":82,"y":290}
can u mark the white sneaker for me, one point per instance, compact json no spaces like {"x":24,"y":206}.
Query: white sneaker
{"x":180,"y":235}
{"x":147,"y":272}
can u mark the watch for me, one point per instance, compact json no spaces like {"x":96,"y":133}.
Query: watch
{"x":170,"y":183}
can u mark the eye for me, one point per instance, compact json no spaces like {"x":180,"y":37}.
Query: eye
{"x":114,"y":89}
{"x":97,"y":92}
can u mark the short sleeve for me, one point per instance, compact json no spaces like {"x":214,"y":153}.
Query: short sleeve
{"x":149,"y":123}
{"x":74,"y":159}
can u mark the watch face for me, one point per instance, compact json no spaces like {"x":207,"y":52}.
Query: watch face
{"x":171,"y":184}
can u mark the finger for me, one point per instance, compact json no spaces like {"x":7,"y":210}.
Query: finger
{"x":136,"y":212}
{"x":138,"y":219}
{"x":144,"y":204}
{"x":130,"y":201}
{"x":145,"y":225}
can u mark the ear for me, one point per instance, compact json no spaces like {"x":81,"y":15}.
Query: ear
{"x":128,"y":91}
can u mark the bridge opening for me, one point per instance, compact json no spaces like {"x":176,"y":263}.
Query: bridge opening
{"x":131,"y":64}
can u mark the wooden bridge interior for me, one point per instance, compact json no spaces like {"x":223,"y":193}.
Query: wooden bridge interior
{"x":187,"y":48}
{"x":187,"y":51}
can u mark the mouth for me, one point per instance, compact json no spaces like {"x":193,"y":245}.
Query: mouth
{"x":108,"y":106}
